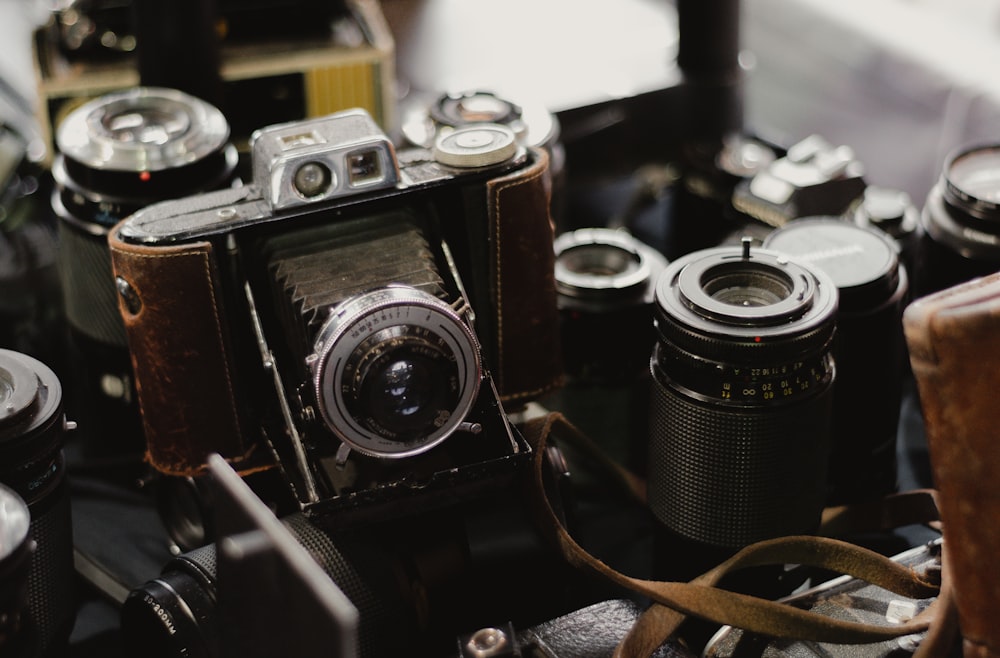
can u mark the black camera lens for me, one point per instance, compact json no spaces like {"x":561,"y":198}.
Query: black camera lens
{"x":960,"y":222}
{"x":604,"y":282}
{"x":16,"y":548}
{"x":177,"y":614}
{"x":117,"y":154}
{"x":741,"y":402}
{"x":869,"y":350}
{"x":32,"y":433}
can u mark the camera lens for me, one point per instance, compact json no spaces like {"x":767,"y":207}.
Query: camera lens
{"x":403,"y":395}
{"x":117,"y":154}
{"x":396,"y":371}
{"x":32,"y":432}
{"x":16,"y":548}
{"x":604,"y":282}
{"x":741,"y":400}
{"x":177,"y":613}
{"x":868,"y":350}
{"x":960,"y":222}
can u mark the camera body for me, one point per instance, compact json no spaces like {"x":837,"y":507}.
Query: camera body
{"x":321,"y":315}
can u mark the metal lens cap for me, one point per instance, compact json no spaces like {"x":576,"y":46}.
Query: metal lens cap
{"x":862,"y":262}
{"x":477,"y":145}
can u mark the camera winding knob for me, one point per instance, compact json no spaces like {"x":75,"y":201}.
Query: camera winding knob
{"x":475,"y":145}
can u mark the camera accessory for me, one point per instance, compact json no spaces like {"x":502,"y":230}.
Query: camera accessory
{"x":532,"y":124}
{"x":605,"y":280}
{"x":812,"y":178}
{"x":117,"y":154}
{"x":594,"y":631}
{"x":177,"y":613}
{"x":868,"y":350}
{"x":892,"y":212}
{"x":31,"y":320}
{"x":277,"y":62}
{"x":16,"y":548}
{"x":846,"y":598}
{"x":953,"y":338}
{"x":334,"y":330}
{"x":412,"y":580}
{"x":32,"y":433}
{"x":741,"y":404}
{"x":960,"y":222}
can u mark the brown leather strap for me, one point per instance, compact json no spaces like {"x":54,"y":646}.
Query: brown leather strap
{"x":673,"y":601}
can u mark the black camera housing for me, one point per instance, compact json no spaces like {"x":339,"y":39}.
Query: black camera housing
{"x":234,"y":345}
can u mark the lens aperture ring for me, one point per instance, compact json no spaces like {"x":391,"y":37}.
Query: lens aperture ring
{"x":742,"y":385}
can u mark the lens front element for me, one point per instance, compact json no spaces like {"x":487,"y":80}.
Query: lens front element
{"x":396,"y":371}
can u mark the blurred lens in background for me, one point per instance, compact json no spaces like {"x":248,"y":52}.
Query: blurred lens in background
{"x":16,"y":548}
{"x":960,"y":222}
{"x":605,"y":280}
{"x":869,"y":350}
{"x":31,"y":318}
{"x":32,"y":433}
{"x":741,"y":407}
{"x":117,"y":154}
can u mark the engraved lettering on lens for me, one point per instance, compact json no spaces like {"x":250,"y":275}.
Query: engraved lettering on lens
{"x":730,"y":461}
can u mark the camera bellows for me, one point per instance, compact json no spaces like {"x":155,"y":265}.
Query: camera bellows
{"x":317,"y":268}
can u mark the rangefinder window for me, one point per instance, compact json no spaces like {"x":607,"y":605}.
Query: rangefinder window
{"x":364,"y":168}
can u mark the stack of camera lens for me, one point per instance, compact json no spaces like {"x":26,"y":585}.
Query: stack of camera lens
{"x":118,"y":153}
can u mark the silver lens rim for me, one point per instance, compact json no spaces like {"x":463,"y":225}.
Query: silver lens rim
{"x":356,"y":319}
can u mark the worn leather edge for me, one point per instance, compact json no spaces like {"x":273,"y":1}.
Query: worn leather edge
{"x":524,"y":290}
{"x":180,"y":353}
{"x":953,"y":338}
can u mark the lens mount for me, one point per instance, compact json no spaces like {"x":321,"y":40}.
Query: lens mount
{"x":744,"y":328}
{"x":30,"y":405}
{"x":604,"y":268}
{"x":759,"y":299}
{"x":395,"y":372}
{"x":971,"y":182}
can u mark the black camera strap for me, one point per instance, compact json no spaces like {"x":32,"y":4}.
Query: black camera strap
{"x":673,"y":602}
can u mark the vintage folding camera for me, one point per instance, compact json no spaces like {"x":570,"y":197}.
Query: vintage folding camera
{"x":320,"y":317}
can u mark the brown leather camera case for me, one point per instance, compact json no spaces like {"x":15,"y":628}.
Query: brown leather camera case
{"x":180,"y":341}
{"x":954,"y":342}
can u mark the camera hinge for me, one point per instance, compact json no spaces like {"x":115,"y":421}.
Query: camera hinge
{"x":270,"y":364}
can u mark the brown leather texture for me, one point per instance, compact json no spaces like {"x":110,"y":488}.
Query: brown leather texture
{"x":180,"y":355}
{"x":523,"y":274}
{"x":954,"y":341}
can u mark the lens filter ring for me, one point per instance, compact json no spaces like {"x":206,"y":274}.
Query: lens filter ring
{"x":395,"y":372}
